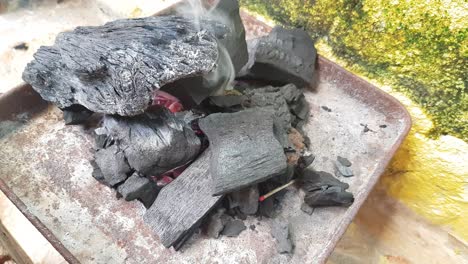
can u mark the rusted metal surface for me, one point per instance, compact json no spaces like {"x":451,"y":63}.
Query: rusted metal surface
{"x":45,"y":171}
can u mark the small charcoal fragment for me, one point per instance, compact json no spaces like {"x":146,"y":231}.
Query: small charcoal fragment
{"x":322,"y":189}
{"x":216,"y":222}
{"x":383,"y":126}
{"x":233,"y":228}
{"x":246,"y":199}
{"x":332,"y":196}
{"x":139,"y":187}
{"x":280,"y":231}
{"x":21,"y":46}
{"x":153,"y":143}
{"x":305,"y":161}
{"x":178,"y":209}
{"x":342,"y":170}
{"x":112,"y":164}
{"x":324,"y":107}
{"x":307,"y":209}
{"x":114,"y":68}
{"x":75,"y":114}
{"x":244,"y":149}
{"x":284,"y":56}
{"x":252,"y":227}
{"x":344,"y":161}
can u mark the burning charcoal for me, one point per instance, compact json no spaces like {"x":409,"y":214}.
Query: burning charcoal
{"x":307,"y":209}
{"x":233,"y":228}
{"x":244,"y":149}
{"x":181,"y":205}
{"x":284,"y":56}
{"x":153,"y":143}
{"x":75,"y":114}
{"x":139,"y":187}
{"x":280,"y":231}
{"x":115,"y":68}
{"x":112,"y":164}
{"x":246,"y":200}
{"x":322,"y":189}
{"x":344,"y":161}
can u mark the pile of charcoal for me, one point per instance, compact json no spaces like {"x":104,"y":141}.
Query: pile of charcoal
{"x":201,"y":126}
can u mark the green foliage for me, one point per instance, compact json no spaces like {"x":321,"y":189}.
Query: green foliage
{"x":419,"y":47}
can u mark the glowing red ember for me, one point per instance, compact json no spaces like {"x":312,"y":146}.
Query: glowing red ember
{"x":168,"y":101}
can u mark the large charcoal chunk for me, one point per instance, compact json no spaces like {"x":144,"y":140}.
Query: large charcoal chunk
{"x":139,"y":187}
{"x":115,"y":68}
{"x":181,"y":205}
{"x":153,"y":143}
{"x":244,"y":149}
{"x":284,"y":56}
{"x":112,"y":164}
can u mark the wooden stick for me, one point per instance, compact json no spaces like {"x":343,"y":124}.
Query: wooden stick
{"x":263,"y":197}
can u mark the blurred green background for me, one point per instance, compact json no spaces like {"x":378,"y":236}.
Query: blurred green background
{"x":418,"y":47}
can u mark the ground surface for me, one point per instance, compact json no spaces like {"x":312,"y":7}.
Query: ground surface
{"x":384,"y":231}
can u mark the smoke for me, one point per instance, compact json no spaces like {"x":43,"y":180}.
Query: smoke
{"x":221,"y":78}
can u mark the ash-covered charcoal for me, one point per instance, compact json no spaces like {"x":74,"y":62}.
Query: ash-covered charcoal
{"x":112,"y":165}
{"x":181,"y":205}
{"x":75,"y":114}
{"x":139,"y":187}
{"x":284,"y":56}
{"x":154,"y":142}
{"x":216,"y":222}
{"x":246,"y":200}
{"x":244,"y":149}
{"x":322,"y":189}
{"x":280,"y":231}
{"x":115,"y":68}
{"x":233,"y":228}
{"x":342,"y":170}
{"x":344,"y":161}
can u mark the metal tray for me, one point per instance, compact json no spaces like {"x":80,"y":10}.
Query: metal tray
{"x":45,"y":172}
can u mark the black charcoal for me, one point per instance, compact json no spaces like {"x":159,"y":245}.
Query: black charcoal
{"x":181,"y":205}
{"x":233,"y":228}
{"x":139,"y":187}
{"x":342,"y":170}
{"x":227,"y":101}
{"x":280,"y":231}
{"x":246,"y":200}
{"x":216,"y":222}
{"x":284,"y":56}
{"x":115,"y":68}
{"x":112,"y":164}
{"x":322,"y":189}
{"x":154,"y":142}
{"x":244,"y":149}
{"x":75,"y":114}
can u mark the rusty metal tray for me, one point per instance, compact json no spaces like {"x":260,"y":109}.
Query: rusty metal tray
{"x":45,"y":172}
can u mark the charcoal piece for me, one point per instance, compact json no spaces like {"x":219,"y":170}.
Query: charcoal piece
{"x":154,"y":142}
{"x":305,"y":161}
{"x":21,"y":46}
{"x":181,"y":205}
{"x":252,"y":227}
{"x":284,"y":56}
{"x":342,"y":170}
{"x":227,"y":101}
{"x":244,"y":149}
{"x":344,"y":161}
{"x":97,"y":173}
{"x":76,"y":114}
{"x":332,"y":196}
{"x":322,"y":189}
{"x":233,"y":228}
{"x":216,"y":223}
{"x":326,"y":108}
{"x":246,"y":199}
{"x":267,"y":208}
{"x":280,"y":231}
{"x":112,"y":164}
{"x":115,"y":68}
{"x":307,"y":209}
{"x":318,"y":180}
{"x":139,"y":187}
{"x":234,"y":41}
